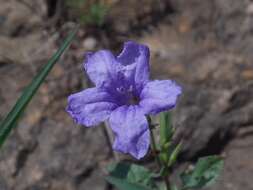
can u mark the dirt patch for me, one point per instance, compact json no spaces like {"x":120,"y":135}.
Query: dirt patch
{"x":204,"y":45}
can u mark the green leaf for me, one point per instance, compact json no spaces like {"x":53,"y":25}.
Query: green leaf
{"x":9,"y":122}
{"x":97,"y":13}
{"x":174,"y":187}
{"x":123,"y":184}
{"x":93,"y":14}
{"x":206,"y":171}
{"x":166,"y":133}
{"x":166,"y":129}
{"x":132,"y":175}
{"x":163,"y":186}
{"x":174,"y":154}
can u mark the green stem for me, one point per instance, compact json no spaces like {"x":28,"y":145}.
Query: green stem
{"x":167,"y":182}
{"x":155,"y":152}
{"x":153,"y":146}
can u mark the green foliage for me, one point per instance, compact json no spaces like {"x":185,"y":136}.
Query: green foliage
{"x":130,"y":177}
{"x":163,"y":186}
{"x":174,"y":187}
{"x":174,"y":155}
{"x":206,"y":171}
{"x":166,"y":129}
{"x":10,"y":121}
{"x":168,"y":153}
{"x":88,"y":13}
{"x":125,"y":185}
{"x":96,"y":14}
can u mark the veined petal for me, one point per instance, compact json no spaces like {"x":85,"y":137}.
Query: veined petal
{"x":91,"y":106}
{"x":159,"y":95}
{"x":102,"y":68}
{"x":135,"y":58}
{"x":131,"y":131}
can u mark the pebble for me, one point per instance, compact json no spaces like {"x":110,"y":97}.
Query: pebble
{"x":250,"y":9}
{"x":89,"y":43}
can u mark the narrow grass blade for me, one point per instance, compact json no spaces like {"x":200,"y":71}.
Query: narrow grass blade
{"x":9,"y":122}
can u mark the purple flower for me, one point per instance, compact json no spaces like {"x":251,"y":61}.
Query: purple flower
{"x":123,"y":94}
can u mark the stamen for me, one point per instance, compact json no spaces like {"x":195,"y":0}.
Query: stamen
{"x":128,"y":93}
{"x":120,"y":89}
{"x":130,"y":88}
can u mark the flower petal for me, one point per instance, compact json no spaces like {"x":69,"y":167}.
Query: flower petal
{"x":135,"y":58}
{"x":102,"y":68}
{"x":91,"y":106}
{"x":131,"y":131}
{"x":159,"y":95}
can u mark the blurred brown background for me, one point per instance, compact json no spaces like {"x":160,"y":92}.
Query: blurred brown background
{"x":205,"y":45}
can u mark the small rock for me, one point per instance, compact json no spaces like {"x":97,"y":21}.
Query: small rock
{"x":247,"y":74}
{"x":16,"y":15}
{"x":250,"y":9}
{"x":89,"y":43}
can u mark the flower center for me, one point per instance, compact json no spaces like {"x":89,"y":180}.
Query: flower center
{"x":133,"y":100}
{"x":129,"y":95}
